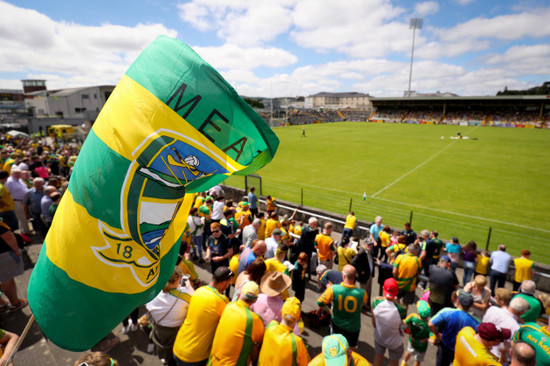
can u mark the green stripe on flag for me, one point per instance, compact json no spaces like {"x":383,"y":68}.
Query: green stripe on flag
{"x":84,"y":300}
{"x":104,"y":180}
{"x":226,"y":123}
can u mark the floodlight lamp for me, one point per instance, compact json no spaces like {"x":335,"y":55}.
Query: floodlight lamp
{"x":416,"y":23}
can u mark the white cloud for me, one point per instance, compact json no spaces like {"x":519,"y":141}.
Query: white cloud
{"x":426,"y":8}
{"x":243,"y":22}
{"x":358,"y":33}
{"x":532,"y":24}
{"x":231,"y":56}
{"x":464,"y":2}
{"x":357,"y":28}
{"x":68,"y":53}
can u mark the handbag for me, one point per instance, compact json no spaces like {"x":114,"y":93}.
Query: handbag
{"x":153,"y":336}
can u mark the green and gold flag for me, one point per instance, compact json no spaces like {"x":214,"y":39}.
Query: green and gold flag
{"x":172,"y":126}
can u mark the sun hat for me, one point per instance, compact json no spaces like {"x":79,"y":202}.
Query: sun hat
{"x":274,"y":283}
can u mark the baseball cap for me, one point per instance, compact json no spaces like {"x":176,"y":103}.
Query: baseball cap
{"x":222,"y":274}
{"x":292,"y":309}
{"x":446,"y":258}
{"x":465,"y":299}
{"x":251,"y":290}
{"x":277,"y":232}
{"x":491,"y":332}
{"x":391,"y":288}
{"x":424,"y":309}
{"x":335,"y":350}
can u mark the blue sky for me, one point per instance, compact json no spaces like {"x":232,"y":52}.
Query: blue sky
{"x":287,"y":47}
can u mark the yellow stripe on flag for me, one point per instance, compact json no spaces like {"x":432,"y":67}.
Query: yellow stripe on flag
{"x":110,"y":247}
{"x":130,"y":102}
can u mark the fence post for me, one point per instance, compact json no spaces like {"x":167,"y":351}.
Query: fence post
{"x":488,"y":238}
{"x":350,"y":204}
{"x":246,"y":184}
{"x":302,"y":197}
{"x":411,"y":218}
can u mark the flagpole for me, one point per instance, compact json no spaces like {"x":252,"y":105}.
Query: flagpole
{"x":21,"y":338}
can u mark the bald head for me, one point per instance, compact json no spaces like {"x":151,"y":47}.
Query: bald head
{"x":259,"y":248}
{"x":523,"y":354}
{"x":349,"y":273}
{"x":49,"y":190}
{"x":257,"y":223}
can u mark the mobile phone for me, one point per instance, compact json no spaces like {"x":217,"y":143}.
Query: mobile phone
{"x":184,"y":279}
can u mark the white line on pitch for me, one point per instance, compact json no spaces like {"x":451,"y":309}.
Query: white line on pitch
{"x":418,"y":166}
{"x":415,"y":168}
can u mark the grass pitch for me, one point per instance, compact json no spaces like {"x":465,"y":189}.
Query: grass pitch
{"x":458,"y":187}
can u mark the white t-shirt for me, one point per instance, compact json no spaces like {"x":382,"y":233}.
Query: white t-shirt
{"x":501,"y":317}
{"x":161,"y":304}
{"x":388,"y":325}
{"x":271,"y":245}
{"x":217,"y":210}
{"x":195,"y":223}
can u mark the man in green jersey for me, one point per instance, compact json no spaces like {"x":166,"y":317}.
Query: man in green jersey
{"x":419,"y":333}
{"x":538,"y":337}
{"x":347,"y":302}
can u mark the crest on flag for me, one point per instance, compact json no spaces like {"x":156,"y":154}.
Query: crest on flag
{"x":165,"y":162}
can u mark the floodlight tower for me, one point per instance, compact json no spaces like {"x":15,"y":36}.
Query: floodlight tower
{"x":416,"y":23}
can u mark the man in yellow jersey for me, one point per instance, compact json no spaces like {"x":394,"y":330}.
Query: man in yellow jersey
{"x":271,"y":224}
{"x":336,"y":352}
{"x":199,"y":200}
{"x":7,"y":205}
{"x":405,"y":270}
{"x":280,"y":346}
{"x":473,"y":348}
{"x":482,"y":266}
{"x":244,"y":217}
{"x":325,"y":245}
{"x":351,"y":222}
{"x":240,"y":332}
{"x":194,"y":340}
{"x":525,"y":268}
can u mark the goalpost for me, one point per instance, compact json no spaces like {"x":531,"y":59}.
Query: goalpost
{"x":255,"y":178}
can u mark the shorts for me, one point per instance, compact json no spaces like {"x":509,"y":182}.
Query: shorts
{"x":351,"y":337}
{"x":416,"y":355}
{"x":408,"y":296}
{"x":10,"y":266}
{"x":394,"y":354}
{"x":328,"y":263}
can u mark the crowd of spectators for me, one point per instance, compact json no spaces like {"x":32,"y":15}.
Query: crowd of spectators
{"x":510,"y":117}
{"x":34,"y":174}
{"x":259,"y":258}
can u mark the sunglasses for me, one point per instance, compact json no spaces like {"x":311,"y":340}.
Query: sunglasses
{"x":216,"y":231}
